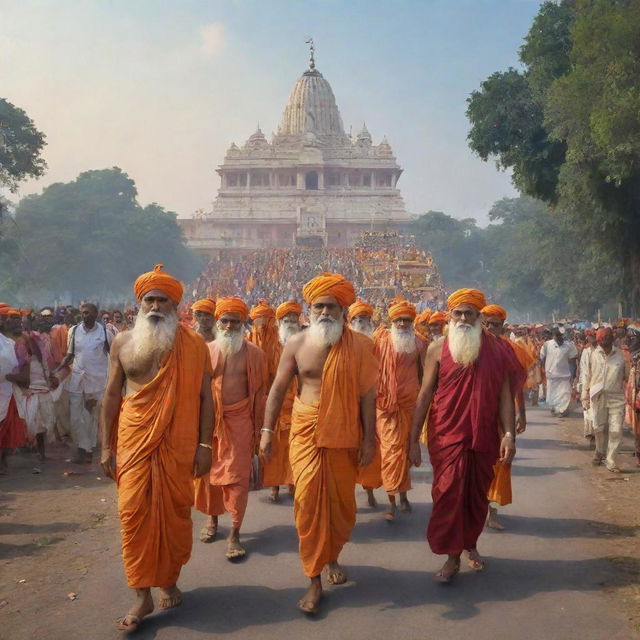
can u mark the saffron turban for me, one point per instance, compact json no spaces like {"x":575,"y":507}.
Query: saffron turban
{"x":360,"y":308}
{"x":423,"y":317}
{"x":231,"y":305}
{"x":602,"y":333}
{"x":159,"y":280}
{"x":438,"y":317}
{"x":494,"y":310}
{"x":467,"y":296}
{"x":9,"y":311}
{"x":287,"y":308}
{"x":262,"y":310}
{"x":401,"y":307}
{"x":329,"y":284}
{"x":205,"y":304}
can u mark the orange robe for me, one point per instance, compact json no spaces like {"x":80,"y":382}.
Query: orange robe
{"x":266,"y":337}
{"x":398,"y":387}
{"x":59,"y":335}
{"x":155,"y":444}
{"x":324,"y":443}
{"x":226,"y":489}
{"x":500,"y":489}
{"x":278,"y":470}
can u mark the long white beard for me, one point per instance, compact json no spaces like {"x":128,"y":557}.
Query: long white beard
{"x":464,"y":341}
{"x":325,"y":332}
{"x":153,"y":337}
{"x":285,"y":331}
{"x":363,"y":325}
{"x":403,"y":341}
{"x":230,"y":342}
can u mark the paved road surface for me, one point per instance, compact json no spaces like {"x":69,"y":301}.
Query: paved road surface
{"x":546,"y":576}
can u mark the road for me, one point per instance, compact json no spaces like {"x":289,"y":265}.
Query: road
{"x":552,"y":574}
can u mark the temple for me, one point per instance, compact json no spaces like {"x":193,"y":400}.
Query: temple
{"x":311,"y":185}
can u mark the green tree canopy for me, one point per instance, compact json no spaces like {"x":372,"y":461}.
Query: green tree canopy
{"x":20,"y":146}
{"x":568,"y":126}
{"x":91,"y":238}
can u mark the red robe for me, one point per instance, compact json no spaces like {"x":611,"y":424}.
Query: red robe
{"x":464,"y":444}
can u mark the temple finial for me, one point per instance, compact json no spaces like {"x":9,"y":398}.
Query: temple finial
{"x":312,"y":62}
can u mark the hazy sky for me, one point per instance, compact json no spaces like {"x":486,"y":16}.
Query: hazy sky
{"x":161,"y":88}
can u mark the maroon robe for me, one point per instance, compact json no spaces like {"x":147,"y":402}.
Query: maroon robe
{"x":464,"y":444}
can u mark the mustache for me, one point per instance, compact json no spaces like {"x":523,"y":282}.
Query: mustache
{"x":327,"y":319}
{"x":155,"y":314}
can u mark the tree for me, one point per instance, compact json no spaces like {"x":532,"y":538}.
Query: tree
{"x":20,"y":146}
{"x":91,"y":238}
{"x":568,"y":126}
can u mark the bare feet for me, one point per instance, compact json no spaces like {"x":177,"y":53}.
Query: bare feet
{"x":336,"y":574}
{"x":209,"y":531}
{"x":310,"y":601}
{"x":234,"y":550}
{"x":492,"y":520}
{"x":449,"y":569}
{"x":390,"y":515}
{"x":143,"y":607}
{"x":169,"y":598}
{"x":275,"y":495}
{"x":405,"y":506}
{"x":371,"y":499}
{"x":475,"y":561}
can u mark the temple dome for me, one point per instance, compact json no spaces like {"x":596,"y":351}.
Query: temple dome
{"x":312,"y":108}
{"x":256,"y":140}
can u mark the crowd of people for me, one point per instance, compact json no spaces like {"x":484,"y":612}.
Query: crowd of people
{"x":331,"y":394}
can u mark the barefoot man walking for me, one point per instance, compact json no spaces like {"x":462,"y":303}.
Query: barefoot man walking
{"x":471,"y":424}
{"x":156,"y":422}
{"x":332,"y":427}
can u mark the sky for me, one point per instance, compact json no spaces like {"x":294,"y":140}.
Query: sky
{"x":161,"y":88}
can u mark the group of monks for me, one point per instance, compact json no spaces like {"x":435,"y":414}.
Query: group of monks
{"x":326,"y":407}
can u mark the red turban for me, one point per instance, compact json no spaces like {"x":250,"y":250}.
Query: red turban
{"x":401,"y":307}
{"x":423,"y":317}
{"x":231,"y":305}
{"x":602,"y":333}
{"x":467,"y":296}
{"x":329,"y":284}
{"x":590,"y":332}
{"x":287,"y":308}
{"x":359,"y":308}
{"x":159,"y":280}
{"x":439,"y":317}
{"x":205,"y":304}
{"x":262,"y":310}
{"x":494,"y":310}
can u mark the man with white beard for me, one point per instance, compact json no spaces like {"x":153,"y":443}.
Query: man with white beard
{"x":332,"y":427}
{"x":466,"y":388}
{"x":238,"y":386}
{"x":277,"y":471}
{"x":400,"y":354}
{"x":360,"y":318}
{"x":156,"y":422}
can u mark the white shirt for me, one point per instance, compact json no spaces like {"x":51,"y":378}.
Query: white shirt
{"x":90,"y":363}
{"x":607,"y":372}
{"x":556,"y":358}
{"x":8,"y":364}
{"x":585,"y":366}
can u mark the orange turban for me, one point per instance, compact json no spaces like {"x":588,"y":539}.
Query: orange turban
{"x":262,"y":310}
{"x":401,"y":307}
{"x":329,"y":284}
{"x":423,"y":317}
{"x":231,"y":305}
{"x":439,"y":317}
{"x":358,"y":308}
{"x":159,"y":280}
{"x":9,"y":311}
{"x":205,"y":304}
{"x":288,"y":307}
{"x":494,"y":310}
{"x":467,"y":296}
